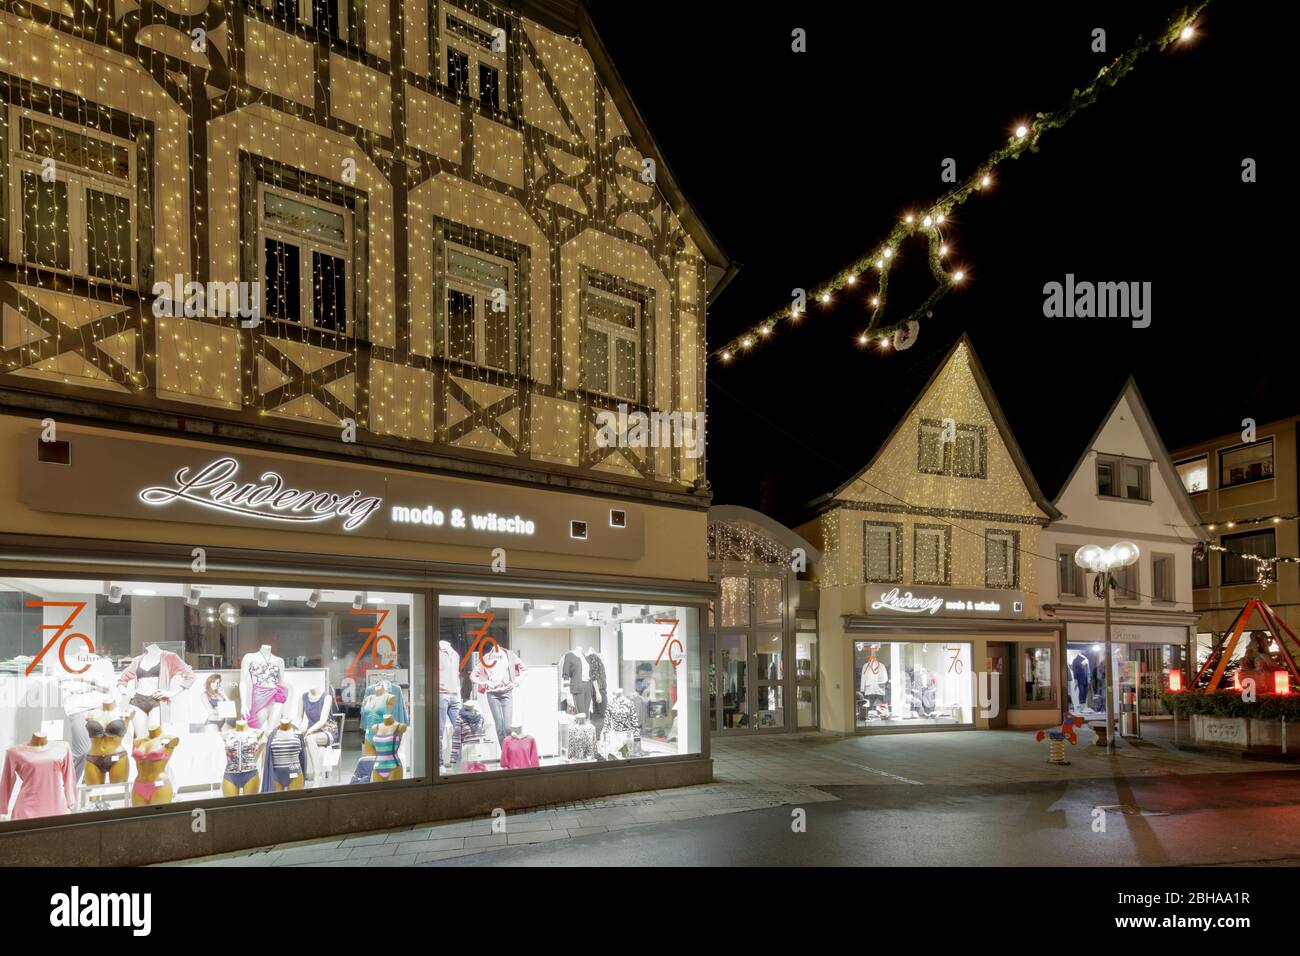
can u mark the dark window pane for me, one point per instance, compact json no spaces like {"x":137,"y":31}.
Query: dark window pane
{"x":1105,"y":478}
{"x":458,"y":72}
{"x":625,"y":377}
{"x":496,"y":344}
{"x":488,"y":87}
{"x":281,"y":294}
{"x":286,"y":9}
{"x":45,"y":222}
{"x":460,"y":325}
{"x":329,"y":292}
{"x":326,"y":15}
{"x":595,"y":360}
{"x":1239,"y":570}
{"x":1200,"y":572}
{"x":108,"y":236}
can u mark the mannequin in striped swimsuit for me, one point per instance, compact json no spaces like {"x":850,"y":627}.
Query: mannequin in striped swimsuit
{"x":385,"y":737}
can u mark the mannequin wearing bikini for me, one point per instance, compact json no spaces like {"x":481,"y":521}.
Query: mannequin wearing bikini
{"x":383,"y":739}
{"x":243,"y":758}
{"x":389,"y":703}
{"x":107,"y":728}
{"x":151,"y":753}
{"x":286,"y":757}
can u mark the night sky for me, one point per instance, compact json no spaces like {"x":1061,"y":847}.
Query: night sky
{"x":799,"y":163}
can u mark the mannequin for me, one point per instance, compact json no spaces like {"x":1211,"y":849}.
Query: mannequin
{"x":243,"y":755}
{"x":582,"y":740}
{"x":518,"y":750}
{"x":151,"y":754}
{"x":260,"y":689}
{"x":470,"y":729}
{"x":622,"y":732}
{"x":379,"y":703}
{"x":45,"y":771}
{"x":872,"y":681}
{"x":1082,"y":672}
{"x":286,"y":759}
{"x":577,"y":672}
{"x":599,"y":688}
{"x":81,"y":693}
{"x":107,"y":728}
{"x":384,"y":739}
{"x":448,"y":693}
{"x":495,"y":676}
{"x":319,"y":728}
{"x":155,"y":676}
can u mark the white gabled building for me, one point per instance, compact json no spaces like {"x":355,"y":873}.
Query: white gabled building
{"x":1123,"y":488}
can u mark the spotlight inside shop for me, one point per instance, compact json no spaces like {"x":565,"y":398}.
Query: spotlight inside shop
{"x":114,"y":592}
{"x":359,"y":601}
{"x":528,"y":612}
{"x":483,"y":606}
{"x":263,"y":597}
{"x":313,"y":599}
{"x":191,"y":595}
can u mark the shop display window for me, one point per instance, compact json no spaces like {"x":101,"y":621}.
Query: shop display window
{"x":911,"y":684}
{"x":1036,"y":675}
{"x":127,"y":693}
{"x":537,"y":682}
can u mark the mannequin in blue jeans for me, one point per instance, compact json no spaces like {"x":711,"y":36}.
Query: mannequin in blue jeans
{"x":495,"y":675}
{"x":448,"y":710}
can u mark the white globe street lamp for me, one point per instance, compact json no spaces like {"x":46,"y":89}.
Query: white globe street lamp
{"x":1103,"y":561}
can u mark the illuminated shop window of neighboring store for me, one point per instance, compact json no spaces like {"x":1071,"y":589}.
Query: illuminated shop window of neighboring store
{"x":130,"y":693}
{"x":902,"y":684}
{"x":529,"y":682}
{"x":1035,"y":676}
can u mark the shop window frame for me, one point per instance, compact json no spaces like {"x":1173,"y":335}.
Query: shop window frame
{"x":289,"y":579}
{"x":1018,"y":698}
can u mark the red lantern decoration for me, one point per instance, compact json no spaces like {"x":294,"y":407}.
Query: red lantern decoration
{"x":1282,"y":682}
{"x":1175,"y":681}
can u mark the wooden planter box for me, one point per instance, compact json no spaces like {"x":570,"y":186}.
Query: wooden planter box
{"x":1245,"y":734}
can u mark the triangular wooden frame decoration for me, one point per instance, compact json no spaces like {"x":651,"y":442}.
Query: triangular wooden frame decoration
{"x":1223,"y":648}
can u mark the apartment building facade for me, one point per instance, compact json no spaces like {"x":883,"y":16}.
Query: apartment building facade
{"x":1244,"y":487}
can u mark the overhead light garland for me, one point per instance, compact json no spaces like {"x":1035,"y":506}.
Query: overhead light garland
{"x":930,"y":222}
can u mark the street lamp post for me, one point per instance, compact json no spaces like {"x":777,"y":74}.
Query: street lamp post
{"x":1099,"y":560}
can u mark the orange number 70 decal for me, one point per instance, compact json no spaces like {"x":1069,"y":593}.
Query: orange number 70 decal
{"x":669,"y":641}
{"x":58,"y":630}
{"x":372,"y":642}
{"x":481,"y":640}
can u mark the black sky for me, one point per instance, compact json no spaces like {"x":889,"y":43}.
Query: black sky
{"x":801,"y":162}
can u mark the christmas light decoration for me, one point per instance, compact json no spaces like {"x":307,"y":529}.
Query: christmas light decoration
{"x":1025,"y":137}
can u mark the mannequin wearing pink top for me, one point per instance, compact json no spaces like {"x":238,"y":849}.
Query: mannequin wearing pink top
{"x":42,"y":774}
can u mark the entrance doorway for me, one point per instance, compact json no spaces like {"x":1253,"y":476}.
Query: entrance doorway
{"x":999,"y":655}
{"x":749,"y":657}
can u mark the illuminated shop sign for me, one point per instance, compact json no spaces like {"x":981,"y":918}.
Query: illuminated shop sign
{"x":137,"y":479}
{"x":944,"y":602}
{"x":214,"y":486}
{"x":269,"y":499}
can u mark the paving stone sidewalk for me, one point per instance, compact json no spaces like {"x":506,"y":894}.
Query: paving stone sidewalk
{"x":753,"y":773}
